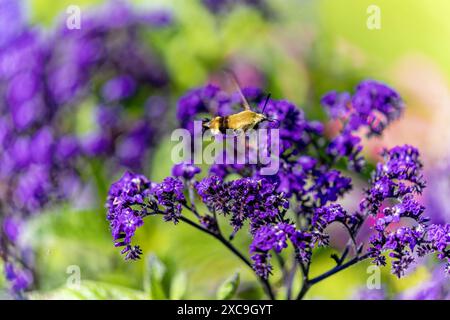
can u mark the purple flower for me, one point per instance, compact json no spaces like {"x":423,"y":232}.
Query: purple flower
{"x":119,"y":88}
{"x":303,"y":245}
{"x":11,"y":20}
{"x":169,"y":194}
{"x":185,"y":170}
{"x":196,"y":101}
{"x":270,"y":237}
{"x":399,"y":178}
{"x":439,"y":238}
{"x":399,"y":175}
{"x":374,"y":106}
{"x":132,"y":198}
{"x":19,"y":279}
{"x":255,"y":200}
{"x":133,"y":146}
{"x":43,"y":80}
{"x":308,"y":183}
{"x":127,"y":203}
{"x":275,"y":237}
{"x":11,"y":228}
{"x":338,"y":104}
{"x":435,"y":195}
{"x":347,"y":146}
{"x":324,"y":216}
{"x":213,"y":193}
{"x":261,"y":264}
{"x":329,"y":186}
{"x":295,"y":130}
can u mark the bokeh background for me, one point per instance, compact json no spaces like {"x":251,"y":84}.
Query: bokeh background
{"x":297,"y":50}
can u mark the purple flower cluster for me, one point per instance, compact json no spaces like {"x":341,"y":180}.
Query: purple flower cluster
{"x":169,"y":194}
{"x":245,"y":199}
{"x":324,"y":216}
{"x":373,"y":106}
{"x":132,"y":198}
{"x":185,"y":170}
{"x":308,"y":175}
{"x":275,"y":237}
{"x":309,"y":183}
{"x":127,"y":193}
{"x":399,"y":179}
{"x":36,"y":155}
{"x":109,"y":51}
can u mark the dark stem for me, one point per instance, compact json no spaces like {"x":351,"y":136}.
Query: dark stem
{"x":338,"y":268}
{"x":310,"y":282}
{"x":265,"y":283}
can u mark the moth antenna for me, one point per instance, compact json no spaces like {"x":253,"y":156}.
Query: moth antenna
{"x":265,"y":103}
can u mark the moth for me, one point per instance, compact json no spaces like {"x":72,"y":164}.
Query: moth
{"x":238,"y":122}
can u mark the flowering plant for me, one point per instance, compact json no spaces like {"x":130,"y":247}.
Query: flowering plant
{"x":293,"y":209}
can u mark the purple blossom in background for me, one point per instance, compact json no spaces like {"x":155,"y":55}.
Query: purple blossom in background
{"x":19,"y":279}
{"x":436,"y":288}
{"x":118,"y":88}
{"x":44,"y":79}
{"x":33,"y":163}
{"x":370,"y":294}
{"x":437,"y":191}
{"x":109,"y":50}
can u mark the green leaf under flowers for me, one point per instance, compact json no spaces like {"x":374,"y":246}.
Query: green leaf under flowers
{"x":90,"y":290}
{"x":178,"y":286}
{"x":228,"y":288}
{"x":153,"y":278}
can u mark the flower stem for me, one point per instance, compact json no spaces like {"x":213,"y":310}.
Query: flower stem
{"x":265,"y":283}
{"x":308,"y":283}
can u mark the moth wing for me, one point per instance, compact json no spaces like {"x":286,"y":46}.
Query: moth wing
{"x":239,"y":90}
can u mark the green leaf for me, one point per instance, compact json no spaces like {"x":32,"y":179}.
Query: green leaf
{"x":178,"y":286}
{"x":153,"y":279}
{"x":90,"y":290}
{"x":227,"y":289}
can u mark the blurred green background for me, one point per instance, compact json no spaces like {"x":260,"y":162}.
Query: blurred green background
{"x":304,"y":49}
